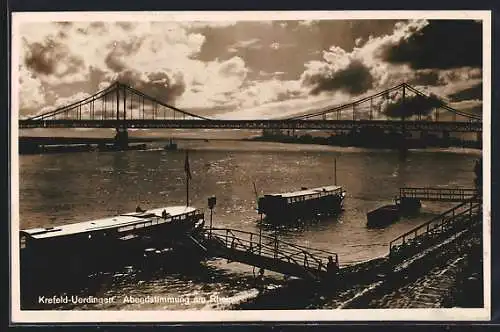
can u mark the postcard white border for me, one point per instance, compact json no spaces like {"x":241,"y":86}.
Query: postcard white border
{"x":49,"y":316}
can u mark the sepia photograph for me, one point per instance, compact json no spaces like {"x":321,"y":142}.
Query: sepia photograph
{"x":239,"y":166}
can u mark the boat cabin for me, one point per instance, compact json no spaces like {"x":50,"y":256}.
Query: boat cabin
{"x":315,"y":200}
{"x":154,"y":223}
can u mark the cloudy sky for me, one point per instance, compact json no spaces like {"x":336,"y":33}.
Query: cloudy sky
{"x":251,"y":69}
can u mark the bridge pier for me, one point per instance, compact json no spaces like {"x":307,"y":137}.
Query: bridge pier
{"x":402,"y":146}
{"x":121,"y":138}
{"x":446,"y":137}
{"x":479,"y":138}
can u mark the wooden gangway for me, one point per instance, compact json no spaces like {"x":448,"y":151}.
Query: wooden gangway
{"x":267,"y":252}
{"x":439,"y":194}
{"x":462,"y":217}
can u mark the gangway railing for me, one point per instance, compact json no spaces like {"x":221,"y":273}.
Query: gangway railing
{"x":461,"y":217}
{"x":269,"y":249}
{"x":440,"y":194}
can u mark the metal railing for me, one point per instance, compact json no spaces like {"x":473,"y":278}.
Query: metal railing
{"x":254,"y":124}
{"x":312,"y":260}
{"x":440,"y":194}
{"x":435,"y":230}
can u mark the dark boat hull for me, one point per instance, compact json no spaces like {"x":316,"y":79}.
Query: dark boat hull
{"x":409,"y":206}
{"x":383,"y":216}
{"x":88,"y":254}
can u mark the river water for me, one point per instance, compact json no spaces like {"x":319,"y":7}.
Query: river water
{"x":58,"y":189}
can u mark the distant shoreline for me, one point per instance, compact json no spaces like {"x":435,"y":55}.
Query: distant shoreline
{"x":369,"y":144}
{"x":71,"y":144}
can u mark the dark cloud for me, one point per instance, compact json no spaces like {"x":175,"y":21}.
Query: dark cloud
{"x":286,"y":45}
{"x":82,"y":31}
{"x":45,"y":58}
{"x":127,"y":26}
{"x":287,"y":95}
{"x":425,"y":77}
{"x":354,"y":79}
{"x":98,"y":25}
{"x":344,"y":33}
{"x":99,"y":28}
{"x":115,"y":60}
{"x":163,"y":86}
{"x":115,"y":63}
{"x":473,"y":93}
{"x":458,"y":75}
{"x":63,"y":24}
{"x":412,"y":105}
{"x":89,"y":83}
{"x":62,"y":35}
{"x":442,"y":44}
{"x":478,"y":109}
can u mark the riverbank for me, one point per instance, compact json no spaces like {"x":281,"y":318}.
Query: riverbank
{"x":388,"y":142}
{"x":450,"y":276}
{"x":451,"y":279}
{"x":39,"y":145}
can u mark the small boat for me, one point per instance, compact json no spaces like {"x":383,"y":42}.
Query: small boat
{"x":383,"y":216}
{"x":408,"y":206}
{"x":103,"y":147}
{"x":304,"y":203}
{"x":388,"y":214}
{"x":97,"y":241}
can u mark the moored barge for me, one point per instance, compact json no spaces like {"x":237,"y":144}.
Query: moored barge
{"x":95,"y":243}
{"x":305,"y":203}
{"x":383,"y":216}
{"x":389,"y":214}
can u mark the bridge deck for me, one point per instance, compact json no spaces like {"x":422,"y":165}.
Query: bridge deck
{"x":450,"y":126}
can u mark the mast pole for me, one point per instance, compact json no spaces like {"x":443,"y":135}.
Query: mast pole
{"x":335,"y":171}
{"x":187,"y":171}
{"x":187,"y":190}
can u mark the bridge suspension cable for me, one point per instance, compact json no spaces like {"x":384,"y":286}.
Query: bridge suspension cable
{"x":385,"y":93}
{"x":114,"y":105}
{"x":139,"y":93}
{"x":443,"y":105}
{"x":345,"y":106}
{"x":98,"y":95}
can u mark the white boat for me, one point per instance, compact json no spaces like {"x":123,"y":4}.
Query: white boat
{"x":122,"y":236}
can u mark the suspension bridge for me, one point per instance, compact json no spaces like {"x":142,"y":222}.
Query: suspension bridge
{"x":400,"y":108}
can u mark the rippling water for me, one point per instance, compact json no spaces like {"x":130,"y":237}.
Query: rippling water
{"x":66,"y":188}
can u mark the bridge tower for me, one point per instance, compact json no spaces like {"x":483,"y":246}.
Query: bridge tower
{"x":403,"y":144}
{"x":479,"y":138}
{"x":446,"y":137}
{"x":121,"y":136}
